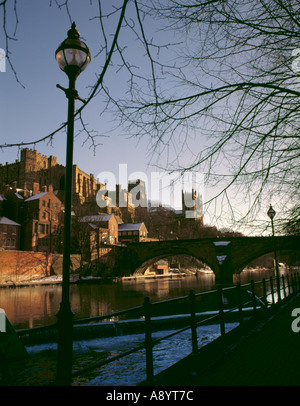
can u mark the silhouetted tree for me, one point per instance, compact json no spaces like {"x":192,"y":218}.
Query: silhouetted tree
{"x":222,"y":88}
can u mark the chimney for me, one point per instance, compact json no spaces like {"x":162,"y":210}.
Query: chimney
{"x":35,"y":188}
{"x":44,"y":188}
{"x":14,"y":186}
{"x":50,"y":188}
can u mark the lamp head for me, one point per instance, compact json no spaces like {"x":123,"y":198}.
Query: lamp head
{"x":271,"y":212}
{"x":73,"y":55}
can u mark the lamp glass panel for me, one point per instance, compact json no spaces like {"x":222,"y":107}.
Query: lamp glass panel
{"x":61,"y":60}
{"x":72,"y":56}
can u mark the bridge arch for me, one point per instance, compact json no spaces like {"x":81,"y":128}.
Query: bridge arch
{"x":141,"y":269}
{"x":255,"y":256}
{"x":225,"y":256}
{"x":147,"y":253}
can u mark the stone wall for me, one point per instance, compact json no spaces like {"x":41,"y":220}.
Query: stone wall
{"x":19,"y":266}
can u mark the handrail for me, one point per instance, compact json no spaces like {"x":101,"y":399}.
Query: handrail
{"x":151,"y":343}
{"x":146,"y":310}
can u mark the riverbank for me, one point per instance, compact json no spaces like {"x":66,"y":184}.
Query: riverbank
{"x":50,"y":280}
{"x":77,"y":279}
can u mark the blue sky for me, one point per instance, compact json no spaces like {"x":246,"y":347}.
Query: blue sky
{"x":32,"y":112}
{"x":35,"y":110}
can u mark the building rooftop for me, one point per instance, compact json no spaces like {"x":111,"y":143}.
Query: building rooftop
{"x":97,"y":218}
{"x":5,"y":220}
{"x":37,"y":196}
{"x":130,"y":226}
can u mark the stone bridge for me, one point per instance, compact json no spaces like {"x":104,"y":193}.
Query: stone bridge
{"x":225,"y":256}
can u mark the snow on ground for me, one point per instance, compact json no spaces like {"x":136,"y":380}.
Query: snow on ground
{"x":131,"y":370}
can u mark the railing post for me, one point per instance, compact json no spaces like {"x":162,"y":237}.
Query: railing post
{"x":239,"y":302}
{"x":283,"y":287}
{"x":253,"y":297}
{"x":292,"y":283}
{"x":193,"y":322}
{"x":148,"y":340}
{"x":288,"y":283}
{"x":265,"y":291}
{"x":272,"y":289}
{"x":221,"y":311}
{"x":278,"y":286}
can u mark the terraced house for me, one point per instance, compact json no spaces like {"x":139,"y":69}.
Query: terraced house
{"x":9,"y":234}
{"x":42,"y":217}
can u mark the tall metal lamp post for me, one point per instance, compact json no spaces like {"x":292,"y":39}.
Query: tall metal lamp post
{"x":271,"y":213}
{"x":72,"y":56}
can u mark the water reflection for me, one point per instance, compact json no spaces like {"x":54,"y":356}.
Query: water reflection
{"x":29,"y":307}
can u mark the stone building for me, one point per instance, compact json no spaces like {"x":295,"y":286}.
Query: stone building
{"x":34,"y":167}
{"x":127,"y":204}
{"x":102,"y":236}
{"x":106,"y":223}
{"x":132,"y":232}
{"x":138,"y":196}
{"x":9,"y":234}
{"x":13,"y":204}
{"x":192,"y":206}
{"x":41,"y":221}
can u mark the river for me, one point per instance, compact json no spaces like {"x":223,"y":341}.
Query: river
{"x":34,"y":306}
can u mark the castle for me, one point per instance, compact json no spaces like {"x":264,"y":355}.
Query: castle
{"x":32,"y":200}
{"x":34,"y":168}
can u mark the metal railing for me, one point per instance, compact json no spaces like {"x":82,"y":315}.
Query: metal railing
{"x":262,"y":294}
{"x":242,"y":300}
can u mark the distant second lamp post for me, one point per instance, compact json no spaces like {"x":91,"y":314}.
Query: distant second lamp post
{"x":72,"y":56}
{"x":271,"y":213}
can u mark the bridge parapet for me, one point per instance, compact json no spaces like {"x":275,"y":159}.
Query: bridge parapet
{"x":225,"y":256}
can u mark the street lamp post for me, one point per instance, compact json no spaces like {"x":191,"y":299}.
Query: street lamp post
{"x":73,"y":57}
{"x":271,"y":213}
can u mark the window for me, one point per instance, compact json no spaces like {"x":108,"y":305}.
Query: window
{"x":44,"y":215}
{"x":14,"y":230}
{"x":42,"y":228}
{"x":43,"y":203}
{"x":10,"y":242}
{"x":4,"y":228}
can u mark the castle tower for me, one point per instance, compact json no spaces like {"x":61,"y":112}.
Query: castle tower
{"x":192,"y":206}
